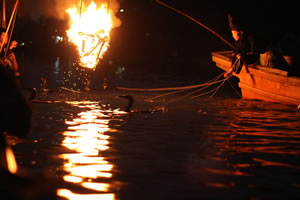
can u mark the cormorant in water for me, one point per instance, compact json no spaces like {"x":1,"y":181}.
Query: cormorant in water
{"x":131,"y":101}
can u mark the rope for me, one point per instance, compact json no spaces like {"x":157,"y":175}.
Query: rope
{"x":174,"y":92}
{"x":205,"y":87}
{"x":217,"y":89}
{"x":209,"y":83}
{"x":149,"y":99}
{"x":205,"y":93}
{"x":177,"y":89}
{"x":187,"y":95}
{"x":161,"y":89}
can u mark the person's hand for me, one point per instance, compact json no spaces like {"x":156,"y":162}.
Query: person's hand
{"x":13,"y":44}
{"x":238,"y":56}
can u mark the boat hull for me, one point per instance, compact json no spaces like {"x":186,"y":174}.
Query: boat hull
{"x":258,"y":82}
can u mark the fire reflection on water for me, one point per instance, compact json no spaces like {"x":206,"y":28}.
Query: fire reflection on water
{"x":263,"y":137}
{"x":85,"y":166}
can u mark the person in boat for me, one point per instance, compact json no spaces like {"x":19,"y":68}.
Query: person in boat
{"x":246,"y":52}
{"x":7,"y":56}
{"x":284,"y":55}
{"x":290,"y":45}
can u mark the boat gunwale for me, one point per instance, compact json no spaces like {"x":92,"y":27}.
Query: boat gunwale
{"x":273,"y":74}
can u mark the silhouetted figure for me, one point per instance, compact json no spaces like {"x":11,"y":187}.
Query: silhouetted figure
{"x":15,"y":120}
{"x":43,"y":84}
{"x":16,"y":114}
{"x":88,"y":84}
{"x":104,"y":83}
{"x":246,"y":51}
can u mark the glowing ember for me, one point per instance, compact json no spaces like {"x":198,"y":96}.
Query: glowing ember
{"x":89,"y":31}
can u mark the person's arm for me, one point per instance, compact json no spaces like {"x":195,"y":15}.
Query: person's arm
{"x":13,"y":44}
{"x":16,"y":113}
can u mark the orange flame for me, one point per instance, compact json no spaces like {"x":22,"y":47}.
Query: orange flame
{"x":89,"y":31}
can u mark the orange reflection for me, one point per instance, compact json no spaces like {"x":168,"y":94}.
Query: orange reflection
{"x":226,"y":172}
{"x":219,"y":185}
{"x":86,"y":137}
{"x":73,"y":196}
{"x":248,"y":137}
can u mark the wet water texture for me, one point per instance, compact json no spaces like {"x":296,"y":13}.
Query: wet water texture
{"x":203,"y":148}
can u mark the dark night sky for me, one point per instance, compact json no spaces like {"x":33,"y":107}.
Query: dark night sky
{"x":153,"y":36}
{"x":149,"y":16}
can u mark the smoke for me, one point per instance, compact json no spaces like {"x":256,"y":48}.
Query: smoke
{"x":56,"y":8}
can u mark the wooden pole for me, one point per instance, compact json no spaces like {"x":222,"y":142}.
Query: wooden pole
{"x":198,"y":22}
{"x":10,"y":22}
{"x":3,"y":14}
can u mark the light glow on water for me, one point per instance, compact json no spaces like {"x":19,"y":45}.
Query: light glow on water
{"x":86,"y":137}
{"x":74,"y":196}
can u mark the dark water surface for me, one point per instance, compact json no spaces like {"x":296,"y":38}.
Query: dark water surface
{"x":203,"y":148}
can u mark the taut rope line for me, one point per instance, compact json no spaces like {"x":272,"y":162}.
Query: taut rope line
{"x":166,"y":89}
{"x":212,"y":82}
{"x":181,"y":89}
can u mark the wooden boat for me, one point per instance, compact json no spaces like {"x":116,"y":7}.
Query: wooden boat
{"x":261,"y":82}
